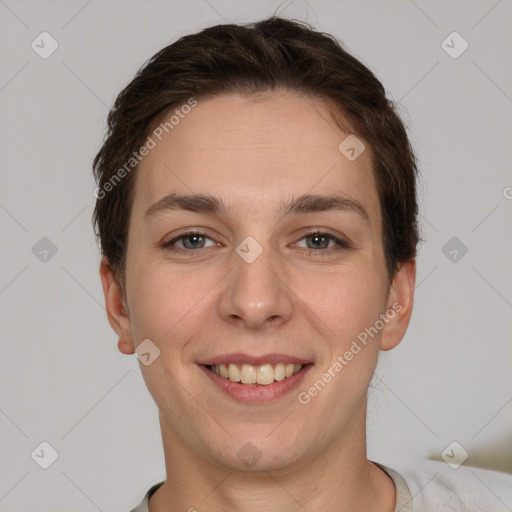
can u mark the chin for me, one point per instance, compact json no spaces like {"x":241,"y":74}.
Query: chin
{"x":260,"y":451}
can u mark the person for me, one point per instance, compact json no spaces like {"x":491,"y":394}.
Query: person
{"x":258,"y":221}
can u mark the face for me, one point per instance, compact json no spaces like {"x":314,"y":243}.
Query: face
{"x":272,"y":275}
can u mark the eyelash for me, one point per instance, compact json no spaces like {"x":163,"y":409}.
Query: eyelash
{"x":342,"y":244}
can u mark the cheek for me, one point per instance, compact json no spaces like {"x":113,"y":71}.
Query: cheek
{"x":349,"y":308}
{"x":165,"y":302}
{"x":347,"y":300}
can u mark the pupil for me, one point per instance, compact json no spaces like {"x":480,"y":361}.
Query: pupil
{"x":195,"y":239}
{"x":318,"y":238}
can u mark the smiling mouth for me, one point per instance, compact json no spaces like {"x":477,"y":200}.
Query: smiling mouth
{"x":263,"y":374}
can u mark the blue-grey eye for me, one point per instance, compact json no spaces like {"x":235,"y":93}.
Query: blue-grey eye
{"x":318,"y":241}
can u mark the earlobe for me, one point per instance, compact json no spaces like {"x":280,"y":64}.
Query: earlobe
{"x":116,"y":309}
{"x":399,"y":306}
{"x":125,"y":347}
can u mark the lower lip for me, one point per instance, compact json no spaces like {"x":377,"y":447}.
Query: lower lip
{"x":255,"y":393}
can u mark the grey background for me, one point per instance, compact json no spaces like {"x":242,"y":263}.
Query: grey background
{"x":62,"y":379}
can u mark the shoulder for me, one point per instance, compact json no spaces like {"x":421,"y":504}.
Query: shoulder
{"x":143,"y":506}
{"x":436,"y":486}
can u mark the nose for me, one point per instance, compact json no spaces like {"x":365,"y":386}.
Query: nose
{"x":255,"y":294}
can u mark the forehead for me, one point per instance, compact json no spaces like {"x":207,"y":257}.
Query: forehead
{"x":255,"y":151}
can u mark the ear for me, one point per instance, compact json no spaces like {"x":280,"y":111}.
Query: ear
{"x":399,"y":305}
{"x":116,"y":308}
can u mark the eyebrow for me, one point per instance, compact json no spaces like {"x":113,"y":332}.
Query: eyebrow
{"x":307,"y":203}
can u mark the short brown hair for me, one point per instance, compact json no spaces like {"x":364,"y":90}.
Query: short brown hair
{"x":267,"y":55}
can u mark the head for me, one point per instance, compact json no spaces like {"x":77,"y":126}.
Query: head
{"x":281,"y":153}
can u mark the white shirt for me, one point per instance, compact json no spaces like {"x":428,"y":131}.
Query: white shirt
{"x":436,"y":487}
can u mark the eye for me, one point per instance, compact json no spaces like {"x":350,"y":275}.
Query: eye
{"x":318,"y":242}
{"x":189,"y":241}
{"x":323,"y":240}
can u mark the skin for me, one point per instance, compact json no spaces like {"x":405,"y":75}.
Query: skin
{"x":311,"y":302}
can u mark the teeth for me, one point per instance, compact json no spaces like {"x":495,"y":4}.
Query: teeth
{"x":224,"y":372}
{"x":233,"y":373}
{"x":248,"y":374}
{"x":279,"y":372}
{"x":265,"y":374}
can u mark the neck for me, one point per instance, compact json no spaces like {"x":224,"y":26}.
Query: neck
{"x":337,"y":478}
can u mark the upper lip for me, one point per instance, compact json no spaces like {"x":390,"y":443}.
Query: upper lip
{"x":238,"y":358}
